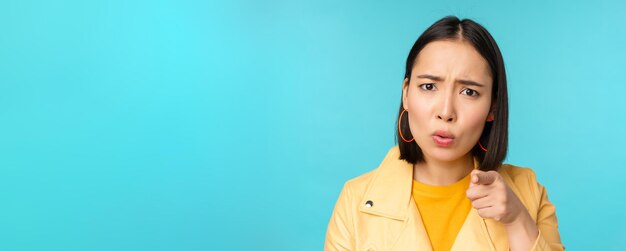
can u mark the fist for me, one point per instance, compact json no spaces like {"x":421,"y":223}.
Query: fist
{"x":492,"y":197}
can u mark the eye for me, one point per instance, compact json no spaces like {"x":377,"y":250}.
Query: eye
{"x":470,"y":92}
{"x":427,"y":87}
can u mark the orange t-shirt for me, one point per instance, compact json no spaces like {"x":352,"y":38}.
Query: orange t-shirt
{"x":443,"y":210}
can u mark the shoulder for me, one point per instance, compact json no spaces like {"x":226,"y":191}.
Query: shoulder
{"x":358,"y":185}
{"x":389,"y":165}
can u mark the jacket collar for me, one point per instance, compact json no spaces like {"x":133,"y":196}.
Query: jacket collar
{"x":390,"y":189}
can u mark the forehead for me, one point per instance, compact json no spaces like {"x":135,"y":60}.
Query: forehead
{"x":457,"y":59}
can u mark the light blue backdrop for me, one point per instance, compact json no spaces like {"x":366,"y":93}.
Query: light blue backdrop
{"x":232,"y":125}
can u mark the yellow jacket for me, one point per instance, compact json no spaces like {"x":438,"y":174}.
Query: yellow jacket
{"x":392,"y":222}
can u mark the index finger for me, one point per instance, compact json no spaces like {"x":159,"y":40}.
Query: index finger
{"x":483,"y":178}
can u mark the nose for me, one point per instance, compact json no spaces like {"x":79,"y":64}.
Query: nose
{"x":447,"y":113}
{"x":446,"y":117}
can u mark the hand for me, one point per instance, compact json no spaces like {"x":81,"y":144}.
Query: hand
{"x":492,"y":197}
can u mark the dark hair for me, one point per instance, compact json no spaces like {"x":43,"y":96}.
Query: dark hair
{"x":495,"y":132}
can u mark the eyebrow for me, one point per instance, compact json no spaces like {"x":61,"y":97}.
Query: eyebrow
{"x":461,"y":81}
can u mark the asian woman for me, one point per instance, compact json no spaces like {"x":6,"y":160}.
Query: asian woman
{"x":444,"y":186}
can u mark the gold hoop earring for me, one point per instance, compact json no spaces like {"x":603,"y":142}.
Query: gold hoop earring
{"x":400,"y":130}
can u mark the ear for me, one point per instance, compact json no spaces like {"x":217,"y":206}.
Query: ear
{"x":492,"y":112}
{"x":405,"y":92}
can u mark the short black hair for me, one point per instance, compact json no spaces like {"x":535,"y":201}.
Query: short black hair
{"x":495,"y":133}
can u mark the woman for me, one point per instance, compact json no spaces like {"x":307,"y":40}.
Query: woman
{"x":444,"y":186}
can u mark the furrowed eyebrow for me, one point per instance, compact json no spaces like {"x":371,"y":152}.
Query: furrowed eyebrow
{"x":431,"y":77}
{"x":460,"y":81}
{"x":469,"y":82}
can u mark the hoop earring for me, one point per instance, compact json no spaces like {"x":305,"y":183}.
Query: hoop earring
{"x":481,"y":146}
{"x":400,"y":131}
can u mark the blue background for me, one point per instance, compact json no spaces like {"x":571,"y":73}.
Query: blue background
{"x":232,"y":125}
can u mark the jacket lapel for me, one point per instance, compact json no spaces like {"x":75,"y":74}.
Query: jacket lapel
{"x":390,"y":193}
{"x":473,"y":235}
{"x":390,"y":189}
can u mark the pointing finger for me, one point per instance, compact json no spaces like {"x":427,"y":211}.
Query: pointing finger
{"x":484,"y":178}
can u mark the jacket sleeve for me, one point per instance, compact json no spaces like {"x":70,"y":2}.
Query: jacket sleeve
{"x":340,"y":232}
{"x":549,"y":238}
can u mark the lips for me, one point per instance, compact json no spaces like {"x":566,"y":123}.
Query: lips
{"x":443,"y":134}
{"x":443,"y":138}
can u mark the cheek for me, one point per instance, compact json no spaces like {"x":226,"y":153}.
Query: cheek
{"x":474,"y":122}
{"x":418,"y":115}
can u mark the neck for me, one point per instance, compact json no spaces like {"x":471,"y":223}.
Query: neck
{"x":441,"y":173}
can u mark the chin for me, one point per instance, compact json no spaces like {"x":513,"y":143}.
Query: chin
{"x":444,"y":154}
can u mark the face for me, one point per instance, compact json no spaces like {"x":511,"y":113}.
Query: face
{"x":448,"y":99}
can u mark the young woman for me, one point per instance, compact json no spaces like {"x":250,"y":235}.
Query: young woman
{"x":444,"y":186}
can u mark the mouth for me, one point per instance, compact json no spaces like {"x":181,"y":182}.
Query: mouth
{"x":443,"y":138}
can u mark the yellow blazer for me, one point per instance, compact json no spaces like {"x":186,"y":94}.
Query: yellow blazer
{"x":391,"y":221}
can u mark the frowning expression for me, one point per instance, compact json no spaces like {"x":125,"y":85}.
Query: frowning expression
{"x":448,"y":98}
